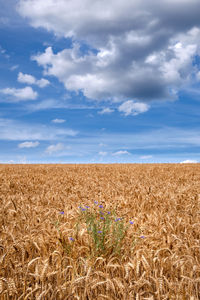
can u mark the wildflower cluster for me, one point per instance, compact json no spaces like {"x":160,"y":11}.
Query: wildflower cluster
{"x":107,"y":231}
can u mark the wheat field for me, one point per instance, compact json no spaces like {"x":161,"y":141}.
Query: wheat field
{"x":44,"y":256}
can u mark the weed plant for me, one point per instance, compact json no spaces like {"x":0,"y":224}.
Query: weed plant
{"x":106,"y":231}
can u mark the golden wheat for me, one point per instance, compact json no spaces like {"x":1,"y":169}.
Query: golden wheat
{"x":160,"y":256}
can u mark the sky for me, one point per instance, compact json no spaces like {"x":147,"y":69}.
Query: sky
{"x":99,"y":81}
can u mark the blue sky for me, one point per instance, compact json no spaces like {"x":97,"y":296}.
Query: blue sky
{"x":89,"y":81}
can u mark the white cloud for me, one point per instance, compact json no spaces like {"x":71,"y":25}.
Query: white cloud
{"x":19,"y":131}
{"x":106,"y":110}
{"x":198,"y":75}
{"x":55,"y":148}
{"x":3,"y":52}
{"x":178,"y":66}
{"x":42,"y":82}
{"x":146,"y":156}
{"x":102,"y":153}
{"x":135,"y":40}
{"x":29,"y":79}
{"x":26,"y":78}
{"x":45,"y":104}
{"x":77,"y":18}
{"x":122,"y":152}
{"x":11,"y":162}
{"x":189,"y":161}
{"x":133,"y":108}
{"x":23,"y":160}
{"x":56,"y":103}
{"x":28,"y":145}
{"x":59,"y":121}
{"x":23,"y":94}
{"x":14,"y":67}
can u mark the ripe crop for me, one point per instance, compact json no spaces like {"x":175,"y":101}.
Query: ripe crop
{"x":100,"y":232}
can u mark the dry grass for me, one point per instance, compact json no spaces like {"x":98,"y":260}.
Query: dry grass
{"x":163,"y":201}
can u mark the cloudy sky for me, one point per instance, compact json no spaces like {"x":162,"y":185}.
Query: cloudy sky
{"x":86,"y":81}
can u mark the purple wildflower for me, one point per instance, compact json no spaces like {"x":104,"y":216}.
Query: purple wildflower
{"x":95,"y":202}
{"x":61,"y":212}
{"x":71,"y":239}
{"x":142,"y":237}
{"x":99,"y":231}
{"x":87,"y":206}
{"x":100,"y":206}
{"x":83,"y":209}
{"x":118,"y":219}
{"x":102,"y":218}
{"x":131,"y":222}
{"x":108,"y":212}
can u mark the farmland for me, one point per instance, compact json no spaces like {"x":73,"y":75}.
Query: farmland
{"x":48,"y":252}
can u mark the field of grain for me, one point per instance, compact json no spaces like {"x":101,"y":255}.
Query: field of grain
{"x":44,"y":256}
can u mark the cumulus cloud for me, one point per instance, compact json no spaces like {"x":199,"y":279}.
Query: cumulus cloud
{"x":189,"y":161}
{"x":29,"y":79}
{"x":28,"y":145}
{"x":122,"y":152}
{"x":133,"y":108}
{"x":55,"y":148}
{"x":23,"y":94}
{"x":26,"y":78}
{"x":144,"y":50}
{"x":42,"y":82}
{"x":58,"y":121}
{"x":86,"y":18}
{"x":105,"y":111}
